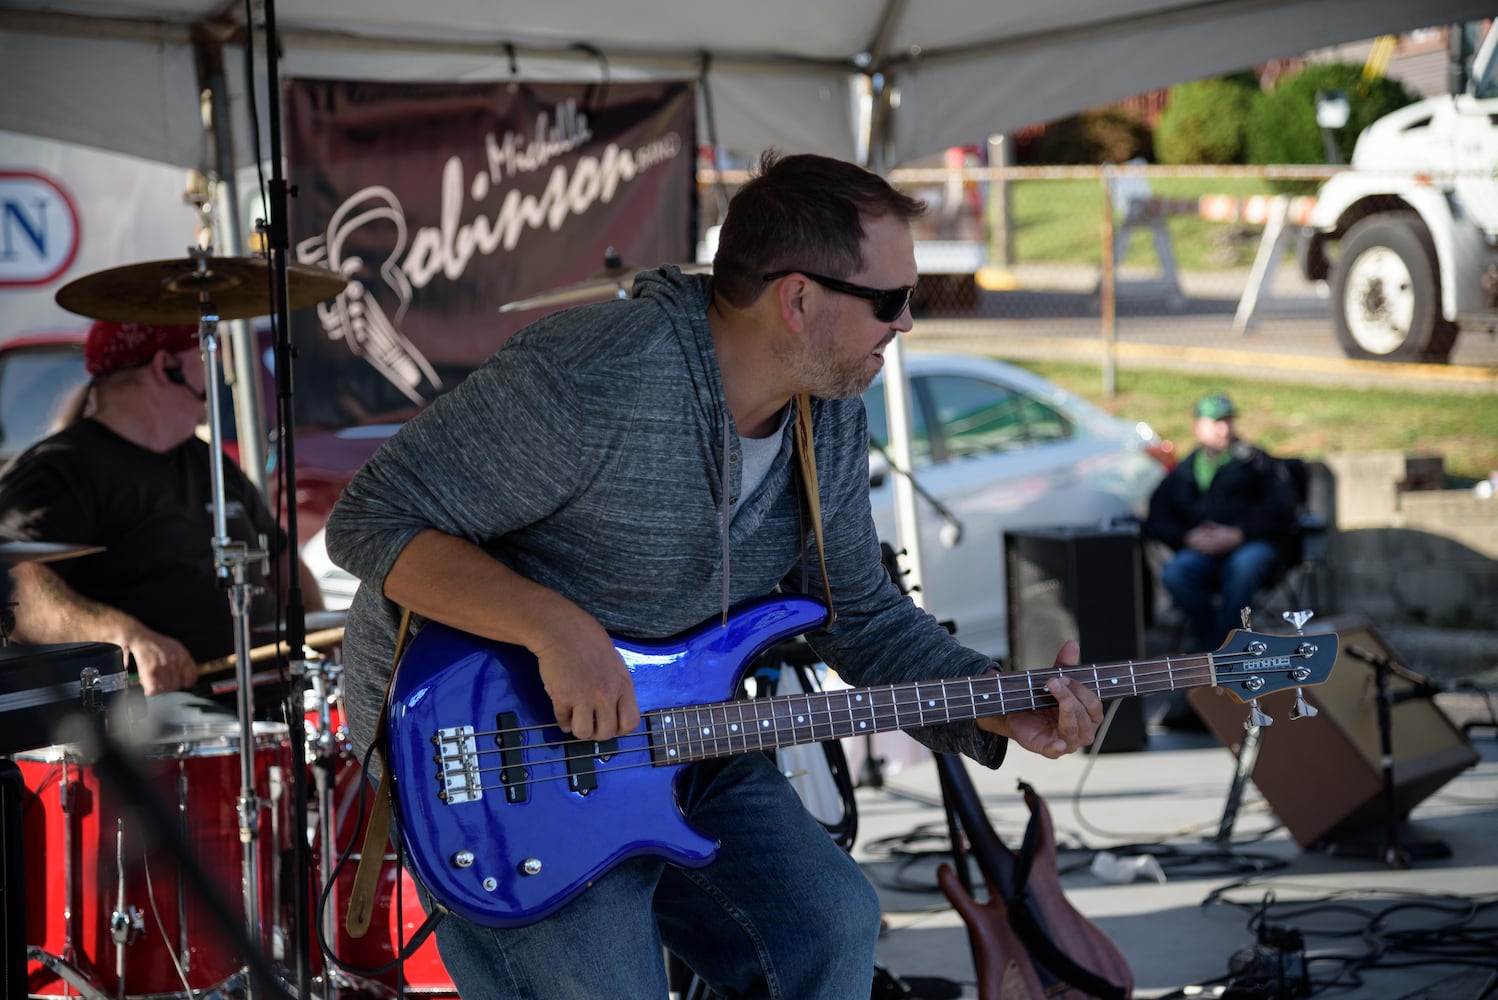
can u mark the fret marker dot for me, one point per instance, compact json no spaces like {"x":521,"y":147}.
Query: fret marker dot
{"x":931,"y":704}
{"x":858,"y":698}
{"x":671,"y":752}
{"x":733,"y":728}
{"x":800,"y":718}
{"x":668,"y":720}
{"x":764,"y":724}
{"x":863,"y":725}
{"x":1113,"y":680}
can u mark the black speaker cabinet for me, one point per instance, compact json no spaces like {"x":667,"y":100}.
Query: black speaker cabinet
{"x":1323,"y":776}
{"x":1083,"y":584}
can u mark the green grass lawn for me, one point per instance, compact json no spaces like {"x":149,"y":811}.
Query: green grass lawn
{"x":1061,"y":221}
{"x":1308,"y":421}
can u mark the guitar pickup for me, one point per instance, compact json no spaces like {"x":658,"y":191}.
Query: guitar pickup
{"x":458,"y":765}
{"x":582,"y":758}
{"x":512,"y":773}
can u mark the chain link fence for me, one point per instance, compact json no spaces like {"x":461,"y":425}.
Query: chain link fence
{"x":1125,"y":262}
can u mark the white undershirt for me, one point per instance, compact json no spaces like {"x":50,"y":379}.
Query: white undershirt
{"x":758,"y":455}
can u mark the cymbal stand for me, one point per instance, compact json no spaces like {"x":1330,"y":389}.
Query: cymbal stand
{"x":232,"y":559}
{"x":323,"y":750}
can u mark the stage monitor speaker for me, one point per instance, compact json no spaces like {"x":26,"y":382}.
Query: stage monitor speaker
{"x":1323,"y":776}
{"x":1083,"y":584}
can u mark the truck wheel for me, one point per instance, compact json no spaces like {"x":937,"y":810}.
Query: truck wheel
{"x":1386,"y":301}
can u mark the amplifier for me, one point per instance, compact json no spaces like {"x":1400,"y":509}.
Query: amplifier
{"x":1078,"y":583}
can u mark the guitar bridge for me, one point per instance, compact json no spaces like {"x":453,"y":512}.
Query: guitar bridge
{"x":458,"y":765}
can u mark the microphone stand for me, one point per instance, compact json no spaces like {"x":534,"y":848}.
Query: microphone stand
{"x":278,"y":242}
{"x":1395,"y":853}
{"x":231,"y":560}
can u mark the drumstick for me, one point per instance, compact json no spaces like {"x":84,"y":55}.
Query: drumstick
{"x":322,"y":637}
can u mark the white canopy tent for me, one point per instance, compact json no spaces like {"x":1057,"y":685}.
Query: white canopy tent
{"x":125,"y":74}
{"x":883,"y":83}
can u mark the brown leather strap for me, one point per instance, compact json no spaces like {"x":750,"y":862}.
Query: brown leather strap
{"x":377,"y":833}
{"x":806,"y":453}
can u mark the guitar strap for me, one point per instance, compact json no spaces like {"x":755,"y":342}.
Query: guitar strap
{"x":377,"y":833}
{"x":806,"y":455}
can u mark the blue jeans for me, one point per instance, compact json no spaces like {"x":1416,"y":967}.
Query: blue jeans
{"x":1193,"y":580}
{"x":782,"y":912}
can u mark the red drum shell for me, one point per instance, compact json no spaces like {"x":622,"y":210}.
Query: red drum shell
{"x":73,"y":860}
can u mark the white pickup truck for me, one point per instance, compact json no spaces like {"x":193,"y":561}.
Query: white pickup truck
{"x":1417,"y":223}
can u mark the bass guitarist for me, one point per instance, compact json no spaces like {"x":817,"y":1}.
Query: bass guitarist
{"x":630,"y":469}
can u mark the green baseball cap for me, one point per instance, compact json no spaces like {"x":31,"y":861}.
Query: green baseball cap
{"x":1216,"y":407}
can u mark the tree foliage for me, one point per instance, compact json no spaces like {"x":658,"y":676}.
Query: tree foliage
{"x":1282,"y":123}
{"x":1205,"y":121}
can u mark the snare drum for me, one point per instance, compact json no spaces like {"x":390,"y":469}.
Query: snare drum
{"x":92,"y":875}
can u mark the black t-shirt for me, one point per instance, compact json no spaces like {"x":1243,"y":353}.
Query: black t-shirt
{"x":152,"y":512}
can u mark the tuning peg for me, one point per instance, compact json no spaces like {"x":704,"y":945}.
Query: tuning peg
{"x":1257,"y":717}
{"x":1298,"y":619}
{"x":1244,"y":614}
{"x":1302,"y":709}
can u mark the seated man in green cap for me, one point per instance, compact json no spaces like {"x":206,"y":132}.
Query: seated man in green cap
{"x":1228,"y":512}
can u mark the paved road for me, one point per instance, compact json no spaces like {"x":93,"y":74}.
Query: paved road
{"x":1054,"y":314}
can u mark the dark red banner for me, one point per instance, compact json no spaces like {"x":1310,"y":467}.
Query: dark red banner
{"x":442,"y":202}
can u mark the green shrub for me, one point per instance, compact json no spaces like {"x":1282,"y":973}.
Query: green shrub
{"x":1282,"y":123}
{"x":1205,"y":121}
{"x":1101,"y":135}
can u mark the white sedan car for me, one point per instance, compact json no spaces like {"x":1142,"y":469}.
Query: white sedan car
{"x":999,"y":449}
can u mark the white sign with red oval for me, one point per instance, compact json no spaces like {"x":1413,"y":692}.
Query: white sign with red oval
{"x":39,"y":231}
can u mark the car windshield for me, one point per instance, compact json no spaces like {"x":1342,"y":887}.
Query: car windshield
{"x":974,"y":417}
{"x":38,"y":392}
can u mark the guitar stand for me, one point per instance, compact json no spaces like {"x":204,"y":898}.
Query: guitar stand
{"x":1248,"y":755}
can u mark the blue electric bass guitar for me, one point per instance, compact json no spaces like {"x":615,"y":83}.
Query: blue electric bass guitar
{"x":505,"y":818}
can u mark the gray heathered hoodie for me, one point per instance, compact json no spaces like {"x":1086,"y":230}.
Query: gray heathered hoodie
{"x":588,"y":454}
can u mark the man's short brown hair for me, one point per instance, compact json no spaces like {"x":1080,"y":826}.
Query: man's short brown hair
{"x":802,"y":211}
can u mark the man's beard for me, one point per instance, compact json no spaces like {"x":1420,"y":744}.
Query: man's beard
{"x":818,"y":368}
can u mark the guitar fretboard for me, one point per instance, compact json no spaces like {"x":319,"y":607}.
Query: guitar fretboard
{"x":720,"y":729}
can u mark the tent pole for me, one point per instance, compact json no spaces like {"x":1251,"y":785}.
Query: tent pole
{"x":896,"y":382}
{"x":249,"y":405}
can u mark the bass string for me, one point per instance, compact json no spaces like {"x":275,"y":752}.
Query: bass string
{"x":886,"y":717}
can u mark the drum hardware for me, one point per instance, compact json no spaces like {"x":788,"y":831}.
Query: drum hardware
{"x":206,"y":289}
{"x":616,"y":280}
{"x":173,"y":291}
{"x":21,"y":551}
{"x":111,"y":814}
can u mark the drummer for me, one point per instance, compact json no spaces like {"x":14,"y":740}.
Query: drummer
{"x":131,"y":475}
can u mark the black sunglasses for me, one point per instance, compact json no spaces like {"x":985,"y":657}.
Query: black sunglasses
{"x":888,"y":303}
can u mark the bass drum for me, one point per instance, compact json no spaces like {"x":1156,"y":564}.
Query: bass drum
{"x":106,"y":904}
{"x":397,"y":909}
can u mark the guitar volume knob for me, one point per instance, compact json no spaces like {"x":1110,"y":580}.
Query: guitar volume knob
{"x":463,"y":859}
{"x":530,"y":866}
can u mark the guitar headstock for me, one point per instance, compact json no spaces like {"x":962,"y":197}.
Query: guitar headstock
{"x":1250,"y":665}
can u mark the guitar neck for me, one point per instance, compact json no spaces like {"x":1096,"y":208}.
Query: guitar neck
{"x":720,"y":729}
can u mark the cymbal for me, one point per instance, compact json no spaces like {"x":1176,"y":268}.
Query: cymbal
{"x":168,"y":291}
{"x":616,"y":279}
{"x":12,"y":552}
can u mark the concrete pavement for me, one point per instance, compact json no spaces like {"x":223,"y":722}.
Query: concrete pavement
{"x":1361,"y":919}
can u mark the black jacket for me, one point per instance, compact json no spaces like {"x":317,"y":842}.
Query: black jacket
{"x":1252,"y":492}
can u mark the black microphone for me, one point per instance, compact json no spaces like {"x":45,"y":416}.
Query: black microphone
{"x":176,"y":375}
